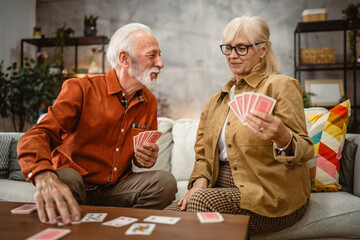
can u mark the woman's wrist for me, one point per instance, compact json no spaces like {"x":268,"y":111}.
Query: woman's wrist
{"x":284,"y":149}
{"x":200,"y":183}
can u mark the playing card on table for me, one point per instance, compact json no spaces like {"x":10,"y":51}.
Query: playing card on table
{"x":162,"y":219}
{"x":61,"y":223}
{"x":120,"y":221}
{"x":210,"y":217}
{"x":94,"y":217}
{"x":24,"y":209}
{"x":140,"y":229}
{"x":50,"y":234}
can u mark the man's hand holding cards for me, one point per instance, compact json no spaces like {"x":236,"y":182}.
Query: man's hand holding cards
{"x":145,"y":149}
{"x":246,"y":102}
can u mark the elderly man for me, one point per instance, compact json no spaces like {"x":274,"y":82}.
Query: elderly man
{"x":81,"y":151}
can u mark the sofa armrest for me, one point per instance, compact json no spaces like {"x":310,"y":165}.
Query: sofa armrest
{"x":356,"y":139}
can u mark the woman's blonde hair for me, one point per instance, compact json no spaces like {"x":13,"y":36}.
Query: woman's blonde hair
{"x":256,"y":30}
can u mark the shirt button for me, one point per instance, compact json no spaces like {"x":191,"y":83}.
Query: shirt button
{"x":115,"y":169}
{"x":229,"y":145}
{"x":235,"y":168}
{"x":117,"y":149}
{"x":122,"y":130}
{"x":228,"y":123}
{"x":30,"y":174}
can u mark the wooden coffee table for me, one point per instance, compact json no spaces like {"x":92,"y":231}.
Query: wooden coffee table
{"x":16,"y":226}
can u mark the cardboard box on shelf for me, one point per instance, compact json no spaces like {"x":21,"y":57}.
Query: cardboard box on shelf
{"x":313,"y":15}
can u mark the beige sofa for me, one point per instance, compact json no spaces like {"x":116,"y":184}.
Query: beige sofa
{"x":334,"y":215}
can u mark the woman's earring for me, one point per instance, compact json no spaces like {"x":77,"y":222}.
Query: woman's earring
{"x":260,"y":59}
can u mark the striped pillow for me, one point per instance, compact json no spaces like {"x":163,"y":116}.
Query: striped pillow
{"x":327,"y":131}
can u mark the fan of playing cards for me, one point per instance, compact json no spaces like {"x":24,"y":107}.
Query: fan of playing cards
{"x":144,"y":137}
{"x":249,"y":101}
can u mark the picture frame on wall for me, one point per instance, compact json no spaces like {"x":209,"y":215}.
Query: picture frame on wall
{"x":326,"y":92}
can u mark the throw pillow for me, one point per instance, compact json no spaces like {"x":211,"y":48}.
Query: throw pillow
{"x":327,"y":131}
{"x":346,"y":178}
{"x":14,"y":167}
{"x":4,"y":155}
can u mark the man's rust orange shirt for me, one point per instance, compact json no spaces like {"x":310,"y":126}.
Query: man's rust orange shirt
{"x":88,"y":129}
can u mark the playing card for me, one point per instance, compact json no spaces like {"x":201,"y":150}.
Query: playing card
{"x":94,"y":217}
{"x":135,"y":141}
{"x":162,"y":219}
{"x":253,"y":97}
{"x":264,"y":103}
{"x":50,"y":234}
{"x":144,"y":136}
{"x":233,"y":105}
{"x":210,"y":217}
{"x":154,"y":137}
{"x":120,"y":221}
{"x":140,"y":229}
{"x":246,"y":101}
{"x":24,"y":209}
{"x":239,"y":101}
{"x":61,"y":223}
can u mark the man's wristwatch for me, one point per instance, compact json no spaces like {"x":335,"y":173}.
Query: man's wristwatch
{"x":281,"y":151}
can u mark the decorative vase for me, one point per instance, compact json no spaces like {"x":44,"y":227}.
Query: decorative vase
{"x":90,"y":31}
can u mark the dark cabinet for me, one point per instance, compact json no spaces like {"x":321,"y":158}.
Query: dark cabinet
{"x":70,"y":42}
{"x":344,"y":66}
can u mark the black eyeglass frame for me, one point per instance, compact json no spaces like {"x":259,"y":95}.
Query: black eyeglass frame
{"x":231,"y":47}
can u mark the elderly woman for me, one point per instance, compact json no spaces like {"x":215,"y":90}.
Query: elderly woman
{"x":258,"y":169}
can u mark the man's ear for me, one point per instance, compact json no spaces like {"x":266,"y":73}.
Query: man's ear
{"x":124,"y":59}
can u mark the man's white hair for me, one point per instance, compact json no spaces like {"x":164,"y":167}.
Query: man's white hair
{"x":122,"y":40}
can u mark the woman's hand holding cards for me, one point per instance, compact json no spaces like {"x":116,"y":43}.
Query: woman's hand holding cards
{"x":53,"y":196}
{"x":268,"y":127}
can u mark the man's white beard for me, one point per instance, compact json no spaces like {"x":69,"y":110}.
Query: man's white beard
{"x":144,"y":75}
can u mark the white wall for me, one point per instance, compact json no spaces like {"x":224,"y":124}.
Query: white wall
{"x":189,"y":33}
{"x":17,"y":19}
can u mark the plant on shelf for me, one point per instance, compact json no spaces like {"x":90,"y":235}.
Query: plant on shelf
{"x":62,"y":33}
{"x":26,"y":93}
{"x":306,"y":99}
{"x":351,"y":14}
{"x":90,"y":25}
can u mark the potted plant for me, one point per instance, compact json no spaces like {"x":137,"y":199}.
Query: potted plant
{"x":351,"y":14}
{"x":62,"y":33}
{"x":25,"y":93}
{"x":90,"y":25}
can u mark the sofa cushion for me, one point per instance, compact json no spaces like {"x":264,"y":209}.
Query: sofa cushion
{"x":346,"y":178}
{"x":330,"y":214}
{"x":327,"y":131}
{"x":14,"y":167}
{"x":183,"y":153}
{"x":5,"y":141}
{"x":16,"y":191}
{"x":356,"y":185}
{"x":165,"y":146}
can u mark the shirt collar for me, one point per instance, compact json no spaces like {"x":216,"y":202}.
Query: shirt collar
{"x":253,"y":79}
{"x":113,"y":85}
